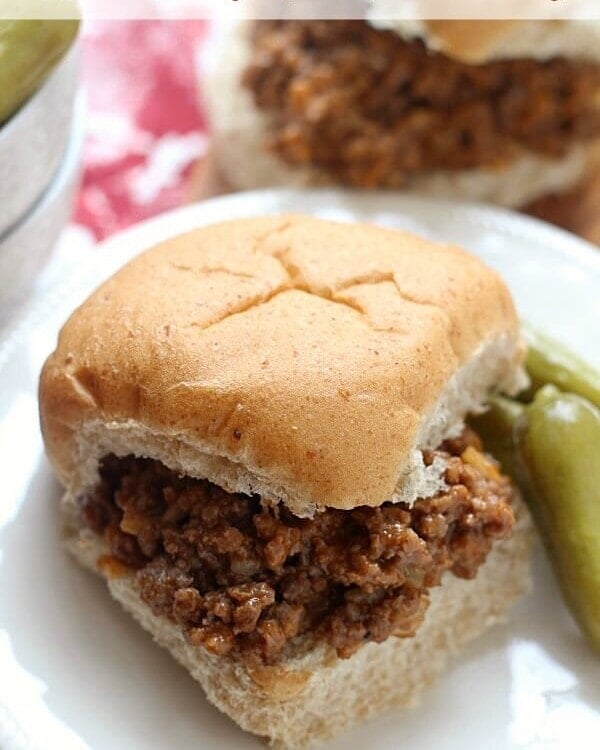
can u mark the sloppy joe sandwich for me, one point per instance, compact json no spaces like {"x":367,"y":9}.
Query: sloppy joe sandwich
{"x":500,"y":111}
{"x":260,"y":428}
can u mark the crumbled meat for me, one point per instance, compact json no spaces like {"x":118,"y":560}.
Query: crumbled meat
{"x":371,"y":109}
{"x":242,"y":579}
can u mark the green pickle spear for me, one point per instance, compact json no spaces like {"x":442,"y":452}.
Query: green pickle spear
{"x":557,"y":441}
{"x":550,"y":362}
{"x":495,"y":426}
{"x":28,"y":51}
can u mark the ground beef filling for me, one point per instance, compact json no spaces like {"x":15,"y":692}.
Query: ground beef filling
{"x":245,"y":580}
{"x":371,"y":109}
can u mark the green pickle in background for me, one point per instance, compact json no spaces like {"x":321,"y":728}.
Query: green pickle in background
{"x":29,"y":50}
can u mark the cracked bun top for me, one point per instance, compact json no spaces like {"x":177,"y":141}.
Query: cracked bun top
{"x":305,"y":360}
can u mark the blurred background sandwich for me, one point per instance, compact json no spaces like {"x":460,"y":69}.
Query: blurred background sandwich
{"x":499,"y":111}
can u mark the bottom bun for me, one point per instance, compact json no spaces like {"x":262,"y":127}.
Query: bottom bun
{"x":290,"y":704}
{"x":244,"y":165}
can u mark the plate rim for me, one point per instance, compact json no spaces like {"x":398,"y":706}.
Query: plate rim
{"x":513,"y":222}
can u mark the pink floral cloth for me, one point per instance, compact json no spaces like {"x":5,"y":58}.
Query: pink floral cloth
{"x":145,"y":126}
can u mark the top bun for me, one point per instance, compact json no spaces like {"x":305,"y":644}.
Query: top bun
{"x":478,"y":42}
{"x":304,"y":360}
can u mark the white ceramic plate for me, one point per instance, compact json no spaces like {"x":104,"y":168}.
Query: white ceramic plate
{"x":76,"y":672}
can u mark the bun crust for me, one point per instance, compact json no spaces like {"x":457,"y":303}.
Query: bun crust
{"x":302,"y":359}
{"x":291,"y":703}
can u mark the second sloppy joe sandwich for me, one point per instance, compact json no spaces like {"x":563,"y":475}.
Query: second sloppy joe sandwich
{"x":260,"y":429}
{"x":500,"y":111}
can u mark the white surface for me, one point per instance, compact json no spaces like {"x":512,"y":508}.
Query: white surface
{"x":75,"y":670}
{"x":33,"y":142}
{"x":25,"y":248}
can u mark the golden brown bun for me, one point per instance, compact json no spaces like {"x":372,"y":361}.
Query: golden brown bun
{"x":314,"y":695}
{"x":304,"y":360}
